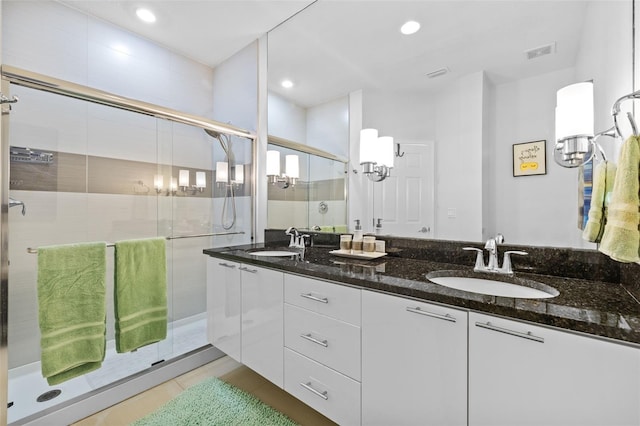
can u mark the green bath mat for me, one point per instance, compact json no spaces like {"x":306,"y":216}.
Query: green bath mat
{"x":214,"y":402}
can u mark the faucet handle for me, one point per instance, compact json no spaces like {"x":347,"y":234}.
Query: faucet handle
{"x":479,"y":266}
{"x":506,"y":263}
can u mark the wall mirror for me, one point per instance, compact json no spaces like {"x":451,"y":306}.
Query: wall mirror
{"x":476,"y":79}
{"x":317,"y":200}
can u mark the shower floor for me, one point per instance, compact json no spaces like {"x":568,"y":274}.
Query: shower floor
{"x":26,"y":383}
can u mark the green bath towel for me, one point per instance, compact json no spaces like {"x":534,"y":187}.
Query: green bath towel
{"x":140,"y":293}
{"x":71,"y":309}
{"x":621,"y":239}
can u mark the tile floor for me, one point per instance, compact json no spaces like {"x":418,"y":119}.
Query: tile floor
{"x":226,"y":369}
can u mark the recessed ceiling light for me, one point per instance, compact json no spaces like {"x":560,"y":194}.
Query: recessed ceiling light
{"x":287,"y":84}
{"x":145,"y":15}
{"x":410,"y":27}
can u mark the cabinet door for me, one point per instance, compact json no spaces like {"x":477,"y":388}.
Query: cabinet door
{"x":520,"y":374}
{"x":262,"y":322}
{"x":414,"y":362}
{"x":223,"y":306}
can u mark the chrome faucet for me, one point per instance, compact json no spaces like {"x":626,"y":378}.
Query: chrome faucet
{"x":492,"y":247}
{"x":297,"y":240}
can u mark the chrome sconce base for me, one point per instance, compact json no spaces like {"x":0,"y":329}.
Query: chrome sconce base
{"x":282,"y":182}
{"x":375,"y":173}
{"x":193,"y":189}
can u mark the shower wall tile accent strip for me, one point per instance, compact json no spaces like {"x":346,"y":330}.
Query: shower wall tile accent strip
{"x":67,"y":173}
{"x":101,"y":175}
{"x":321,"y":190}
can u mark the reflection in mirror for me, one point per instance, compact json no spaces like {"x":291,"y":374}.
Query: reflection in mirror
{"x":473,"y":92}
{"x":318,"y":199}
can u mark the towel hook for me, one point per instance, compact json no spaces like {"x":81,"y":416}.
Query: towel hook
{"x":398,"y":151}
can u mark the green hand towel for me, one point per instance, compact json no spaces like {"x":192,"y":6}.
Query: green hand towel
{"x":621,"y":239}
{"x":340,"y":229}
{"x":71,"y":309}
{"x":603,"y":177}
{"x":140,"y":293}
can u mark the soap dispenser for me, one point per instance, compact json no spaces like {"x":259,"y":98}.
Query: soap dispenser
{"x":379,"y":226}
{"x":357,"y":238}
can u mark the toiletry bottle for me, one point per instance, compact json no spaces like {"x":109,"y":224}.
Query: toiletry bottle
{"x":356,"y":244}
{"x":379,"y":226}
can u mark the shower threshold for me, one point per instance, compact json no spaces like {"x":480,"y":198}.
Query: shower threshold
{"x":26,"y":384}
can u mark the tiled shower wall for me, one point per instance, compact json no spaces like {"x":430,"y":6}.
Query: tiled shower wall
{"x":100,"y":186}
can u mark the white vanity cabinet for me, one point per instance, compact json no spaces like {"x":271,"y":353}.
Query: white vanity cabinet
{"x":521,"y":374}
{"x":414,"y":362}
{"x":322,"y":347}
{"x":245,"y":315}
{"x":224,"y":305}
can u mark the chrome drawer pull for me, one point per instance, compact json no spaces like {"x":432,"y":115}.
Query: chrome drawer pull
{"x":314,"y":340}
{"x":528,"y":335}
{"x":226,"y":265}
{"x":308,"y":387}
{"x":244,"y":268}
{"x":312,"y":297}
{"x":446,"y":317}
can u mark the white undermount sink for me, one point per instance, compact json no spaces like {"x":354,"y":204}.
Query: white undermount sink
{"x":503,"y":286}
{"x":273,"y":253}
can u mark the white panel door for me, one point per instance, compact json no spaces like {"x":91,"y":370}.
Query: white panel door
{"x":262,"y":322}
{"x":405,"y":200}
{"x":521,"y":374}
{"x":224,"y":306}
{"x":414,"y":362}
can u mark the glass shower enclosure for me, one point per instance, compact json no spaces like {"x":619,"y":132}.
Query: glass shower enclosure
{"x":85,"y":170}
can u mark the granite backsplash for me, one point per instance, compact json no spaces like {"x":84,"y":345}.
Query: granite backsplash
{"x":561,"y":262}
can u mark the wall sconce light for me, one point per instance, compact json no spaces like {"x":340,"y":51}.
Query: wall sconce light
{"x":184,"y":183}
{"x":222,"y":174}
{"x":158,"y":184}
{"x":376,"y":155}
{"x":575,"y":142}
{"x":292,"y":170}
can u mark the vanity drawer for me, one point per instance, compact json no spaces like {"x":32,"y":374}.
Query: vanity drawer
{"x":327,"y":391}
{"x":333,"y":343}
{"x":325,"y":298}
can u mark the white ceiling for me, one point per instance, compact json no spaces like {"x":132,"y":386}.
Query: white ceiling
{"x":208,"y":31}
{"x":336,"y":46}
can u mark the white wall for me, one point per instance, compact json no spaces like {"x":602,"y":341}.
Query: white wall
{"x":286,"y":119}
{"x":459,"y":187}
{"x":328,"y":127}
{"x":541,"y":209}
{"x":605,"y":56}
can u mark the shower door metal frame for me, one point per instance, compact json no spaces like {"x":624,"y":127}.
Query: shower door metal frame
{"x":45,"y":83}
{"x":4,"y":253}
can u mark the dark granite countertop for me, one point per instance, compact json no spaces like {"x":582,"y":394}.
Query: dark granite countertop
{"x":598,"y":308}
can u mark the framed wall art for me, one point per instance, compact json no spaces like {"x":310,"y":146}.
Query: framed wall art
{"x":530,"y":158}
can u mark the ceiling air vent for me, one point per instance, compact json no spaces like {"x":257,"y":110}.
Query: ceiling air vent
{"x":438,"y":72}
{"x":536,"y":52}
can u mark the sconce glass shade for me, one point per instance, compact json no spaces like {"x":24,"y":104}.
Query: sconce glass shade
{"x":173,"y":187}
{"x":158,"y":182}
{"x":273,"y":163}
{"x":292,"y":167}
{"x":201,"y":180}
{"x":368,"y":142}
{"x":385,"y":151}
{"x":222,"y":172}
{"x":574,"y":111}
{"x":239,"y":174}
{"x":183,"y":178}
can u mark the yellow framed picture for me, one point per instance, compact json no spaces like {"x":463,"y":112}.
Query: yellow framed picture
{"x":530,"y":158}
